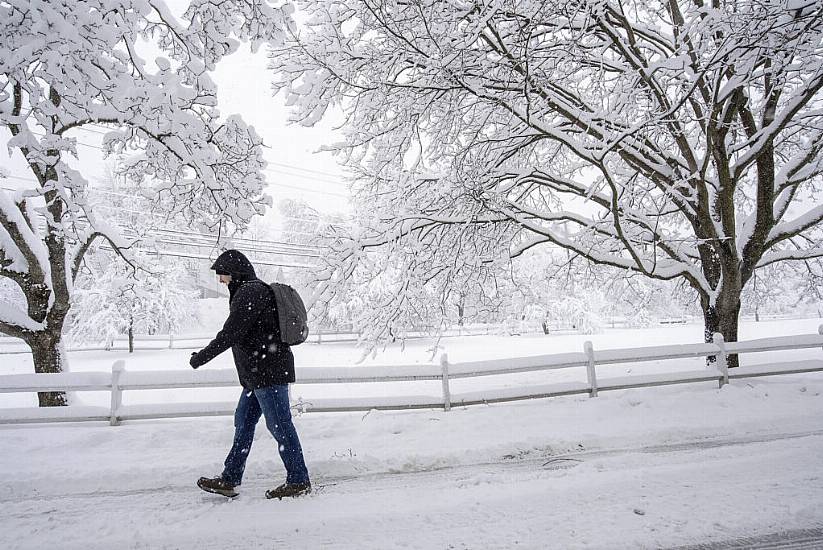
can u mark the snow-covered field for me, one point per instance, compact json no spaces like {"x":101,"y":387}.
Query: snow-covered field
{"x":647,"y":468}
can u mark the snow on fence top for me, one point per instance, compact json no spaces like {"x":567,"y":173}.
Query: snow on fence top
{"x":653,"y":353}
{"x":64,"y":381}
{"x":470,"y":369}
{"x":776,"y":344}
{"x":120,"y":379}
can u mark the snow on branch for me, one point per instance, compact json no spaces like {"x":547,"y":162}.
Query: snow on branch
{"x":791,"y":228}
{"x":790,"y":255}
{"x":14,"y":321}
{"x":23,"y":250}
{"x":672,"y":138}
{"x":141,"y":71}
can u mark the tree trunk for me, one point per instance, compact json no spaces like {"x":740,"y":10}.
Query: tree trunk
{"x":47,"y":353}
{"x":131,"y":337}
{"x":723,"y":317}
{"x":756,"y":298}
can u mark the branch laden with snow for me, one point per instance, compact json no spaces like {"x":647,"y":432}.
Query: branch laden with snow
{"x":137,"y":70}
{"x":675,"y":139}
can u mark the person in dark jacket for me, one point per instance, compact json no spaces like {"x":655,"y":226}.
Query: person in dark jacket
{"x":265,"y":367}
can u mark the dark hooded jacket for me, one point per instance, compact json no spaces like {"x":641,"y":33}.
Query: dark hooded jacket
{"x":251,"y":330}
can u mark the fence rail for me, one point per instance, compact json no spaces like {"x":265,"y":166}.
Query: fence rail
{"x":120,"y":380}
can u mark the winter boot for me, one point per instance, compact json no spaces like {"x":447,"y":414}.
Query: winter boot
{"x":217,"y":485}
{"x":289,"y":490}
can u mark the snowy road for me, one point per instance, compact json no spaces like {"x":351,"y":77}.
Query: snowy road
{"x":646,"y":497}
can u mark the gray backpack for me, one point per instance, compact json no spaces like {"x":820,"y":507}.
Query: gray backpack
{"x":291,"y":314}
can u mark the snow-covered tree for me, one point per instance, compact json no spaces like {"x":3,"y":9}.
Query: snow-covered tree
{"x":113,"y":298}
{"x":584,"y":312}
{"x":135,"y":68}
{"x":678,"y":139}
{"x":370,"y":302}
{"x":771,"y":291}
{"x":400,"y":285}
{"x":301,"y":224}
{"x":560,"y":289}
{"x":810,"y":287}
{"x":782,"y":289}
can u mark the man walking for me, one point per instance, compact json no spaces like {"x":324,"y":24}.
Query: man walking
{"x":265,"y":367}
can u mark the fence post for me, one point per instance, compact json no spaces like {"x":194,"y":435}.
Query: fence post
{"x":171,"y":340}
{"x":592,"y":375}
{"x":116,"y":394}
{"x":447,"y":398}
{"x":722,"y":358}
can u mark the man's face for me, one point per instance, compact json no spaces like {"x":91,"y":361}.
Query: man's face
{"x":224,"y":279}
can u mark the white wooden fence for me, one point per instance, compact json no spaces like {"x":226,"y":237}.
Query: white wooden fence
{"x":119,"y":380}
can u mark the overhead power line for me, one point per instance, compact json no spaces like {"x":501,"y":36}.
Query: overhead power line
{"x":162,"y":216}
{"x":293,"y":167}
{"x":242,"y":239}
{"x":203,"y":257}
{"x":87,"y":128}
{"x":276,"y":184}
{"x":275,"y":163}
{"x":266,"y":247}
{"x":304,"y":189}
{"x":194,"y":239}
{"x":309,"y":177}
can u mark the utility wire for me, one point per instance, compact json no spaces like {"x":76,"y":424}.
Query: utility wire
{"x":275,"y":184}
{"x":335,"y":178}
{"x":95,"y":191}
{"x":203,"y":257}
{"x":201,"y":240}
{"x":281,"y":164}
{"x":293,"y":167}
{"x":309,"y":177}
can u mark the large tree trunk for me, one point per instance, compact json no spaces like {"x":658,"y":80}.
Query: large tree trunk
{"x":723,"y":317}
{"x":46,"y":287}
{"x":47,"y":353}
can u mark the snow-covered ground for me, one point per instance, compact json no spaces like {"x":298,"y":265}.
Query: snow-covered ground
{"x":644,"y":468}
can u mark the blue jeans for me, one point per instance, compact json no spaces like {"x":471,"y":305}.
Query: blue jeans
{"x":273,"y":403}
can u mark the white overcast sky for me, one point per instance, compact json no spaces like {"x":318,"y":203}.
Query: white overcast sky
{"x":243,"y":84}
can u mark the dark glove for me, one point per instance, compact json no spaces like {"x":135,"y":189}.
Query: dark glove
{"x":193,"y":360}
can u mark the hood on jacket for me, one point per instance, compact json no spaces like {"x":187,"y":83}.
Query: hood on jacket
{"x":234,"y":263}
